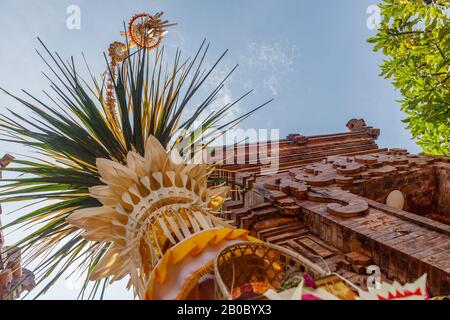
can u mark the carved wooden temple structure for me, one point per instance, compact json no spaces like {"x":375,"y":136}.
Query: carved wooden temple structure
{"x":337,"y":199}
{"x":14,"y":279}
{"x":347,"y":204}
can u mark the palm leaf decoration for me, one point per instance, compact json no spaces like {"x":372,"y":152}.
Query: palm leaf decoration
{"x":76,"y":129}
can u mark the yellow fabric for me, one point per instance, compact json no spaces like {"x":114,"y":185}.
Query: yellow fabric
{"x":193,"y":246}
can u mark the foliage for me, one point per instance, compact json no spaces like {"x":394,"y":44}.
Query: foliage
{"x":68,"y":136}
{"x":415,"y":37}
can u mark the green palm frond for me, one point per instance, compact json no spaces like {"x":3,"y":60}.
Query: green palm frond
{"x":77,"y":128}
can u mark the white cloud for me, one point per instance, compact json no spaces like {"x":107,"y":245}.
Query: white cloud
{"x":271,"y":61}
{"x":272,"y":83}
{"x":225,"y":96}
{"x":272,"y":56}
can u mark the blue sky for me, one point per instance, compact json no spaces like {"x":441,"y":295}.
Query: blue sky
{"x":311,"y":56}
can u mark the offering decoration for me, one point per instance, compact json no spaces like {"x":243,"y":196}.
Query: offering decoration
{"x":115,"y":190}
{"x":116,"y":193}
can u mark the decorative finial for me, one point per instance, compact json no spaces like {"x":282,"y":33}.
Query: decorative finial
{"x":144,"y":31}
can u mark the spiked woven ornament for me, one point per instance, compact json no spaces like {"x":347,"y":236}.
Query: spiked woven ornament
{"x":109,"y":201}
{"x":149,"y":205}
{"x":416,"y":290}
